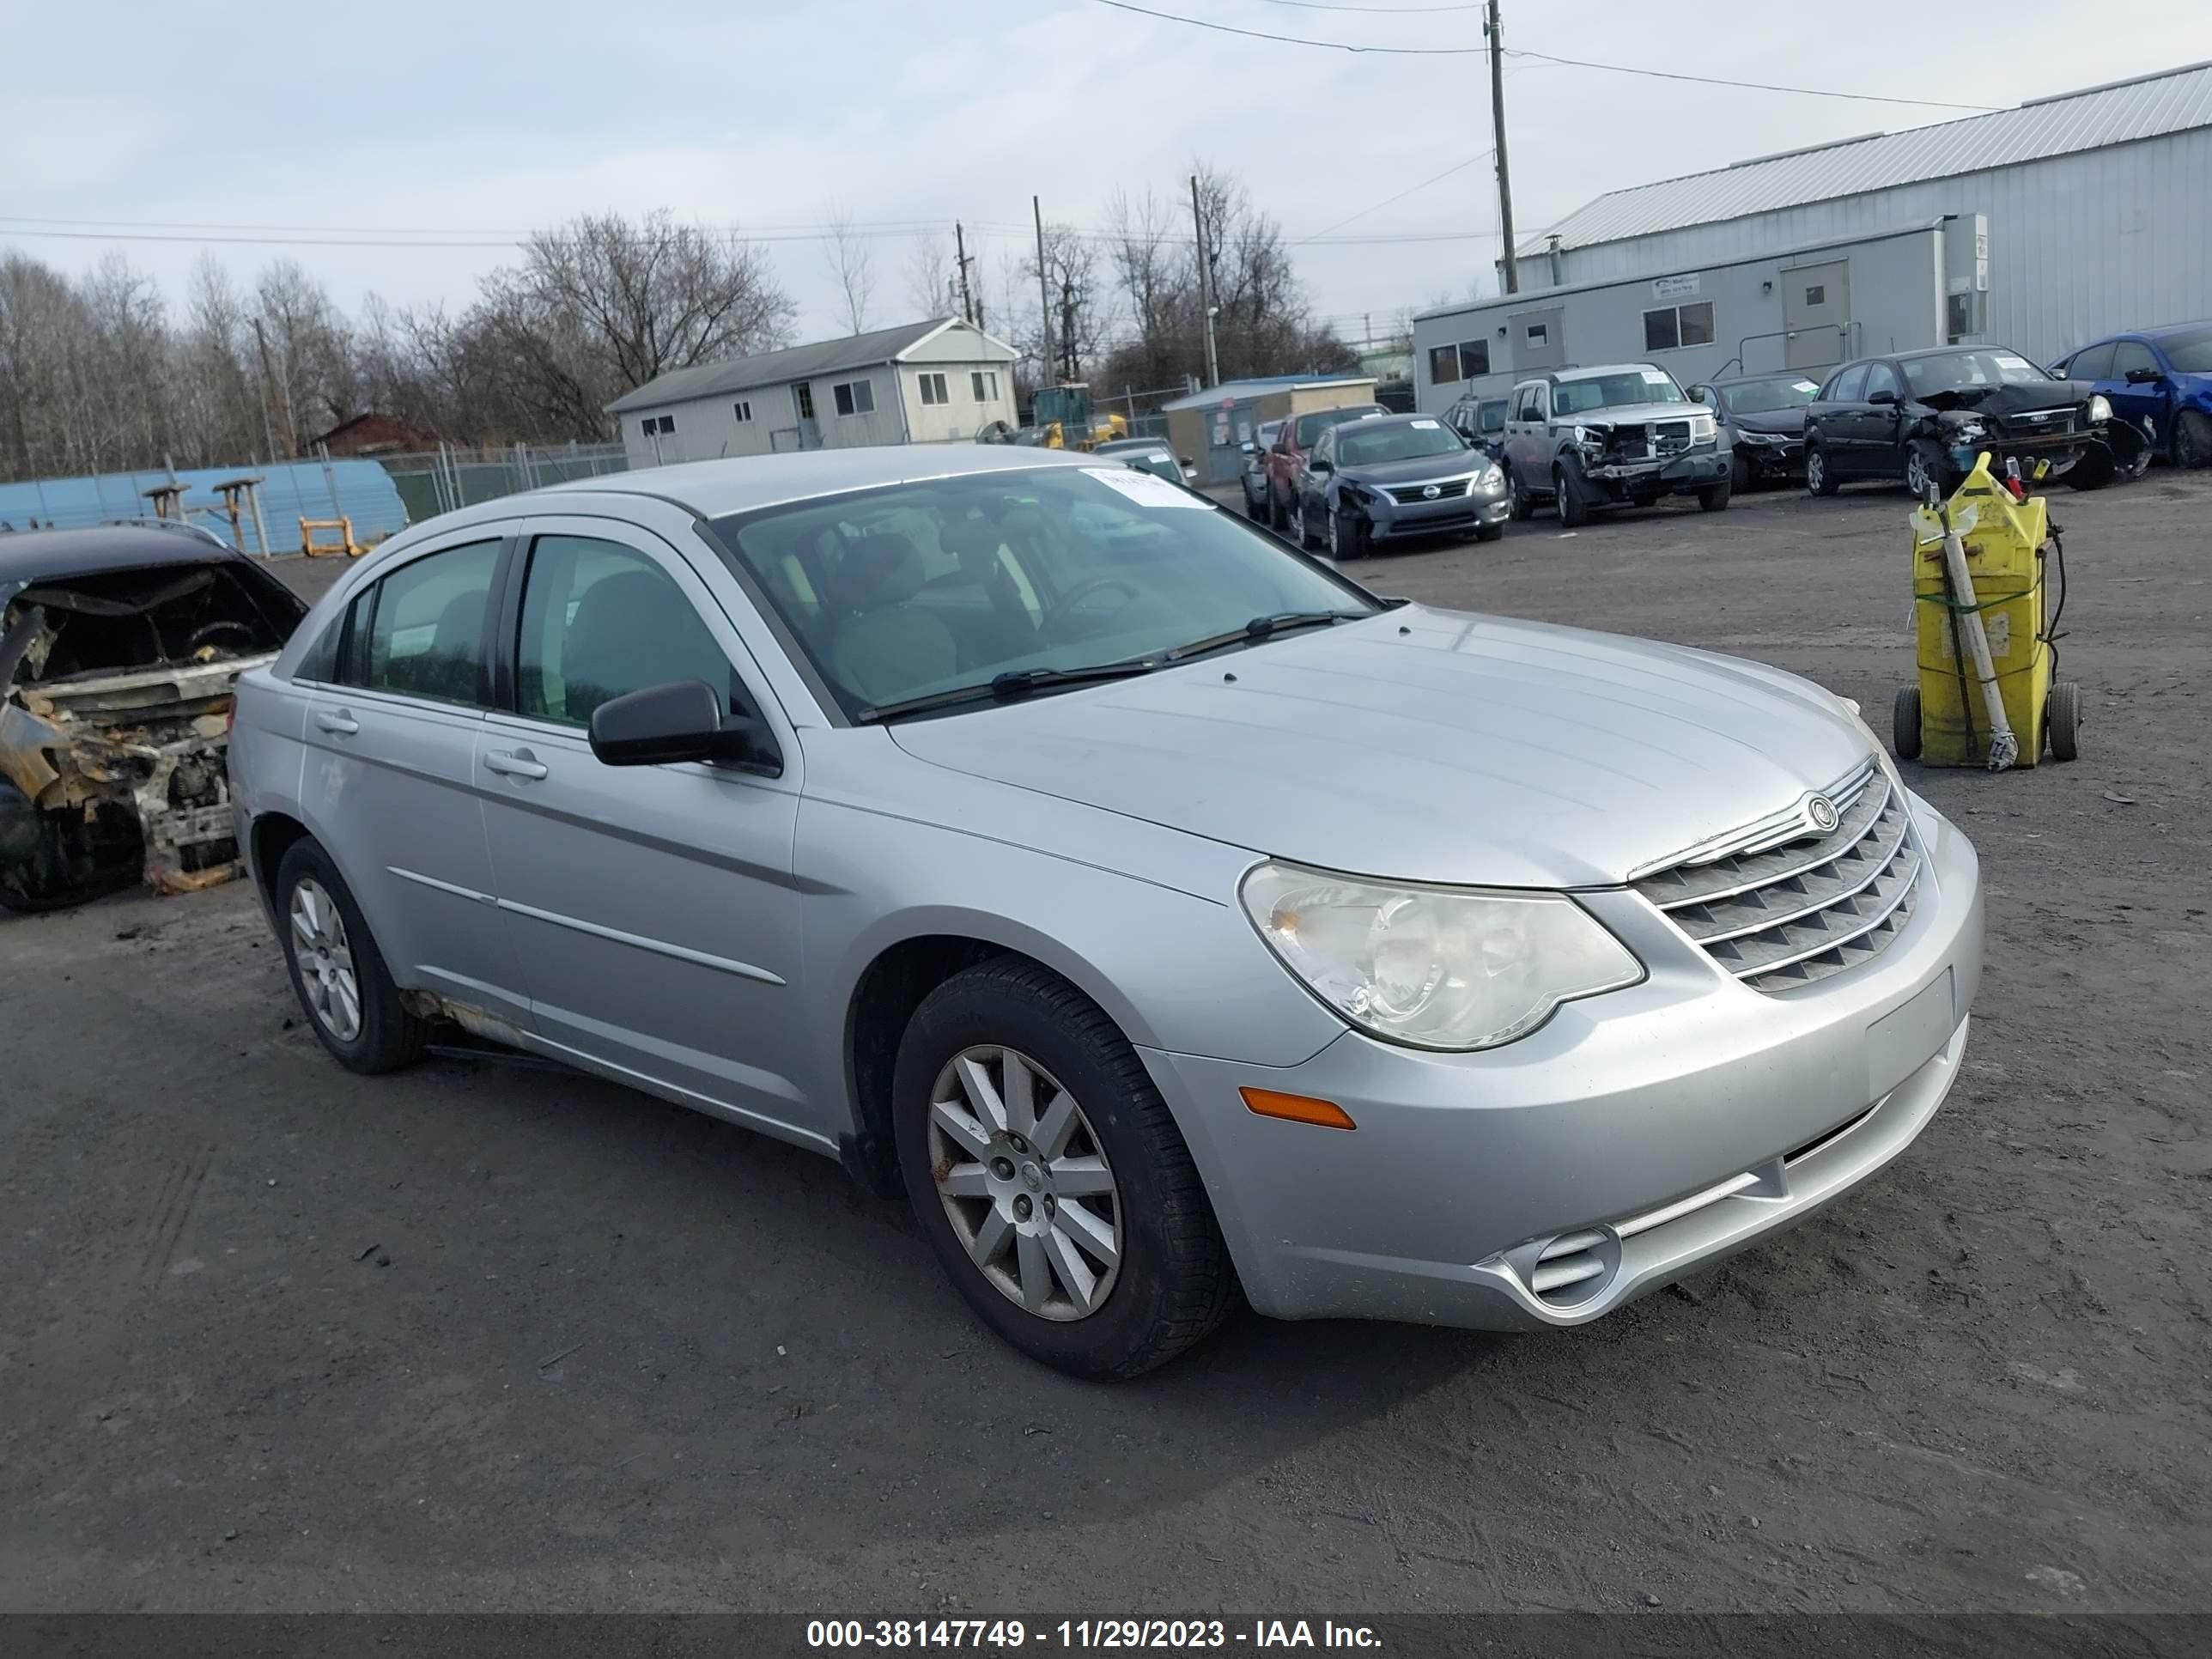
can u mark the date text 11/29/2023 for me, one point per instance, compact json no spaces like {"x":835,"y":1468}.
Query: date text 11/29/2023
{"x":1169,"y":1634}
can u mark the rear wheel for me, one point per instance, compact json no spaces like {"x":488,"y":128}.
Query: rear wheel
{"x":338,"y":972}
{"x":1050,"y":1178}
{"x":2062,"y":719}
{"x":1820,"y":479}
{"x":1567,"y":497}
{"x":1905,"y":723}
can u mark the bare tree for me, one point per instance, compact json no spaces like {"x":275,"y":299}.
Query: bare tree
{"x":929,"y":276}
{"x":1082,"y":309}
{"x":1154,"y":274}
{"x":851,"y":262}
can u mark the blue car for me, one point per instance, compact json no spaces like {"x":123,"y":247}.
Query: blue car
{"x":2159,"y":380}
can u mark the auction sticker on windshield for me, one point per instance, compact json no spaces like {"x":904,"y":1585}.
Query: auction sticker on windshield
{"x":1655,"y":377}
{"x":1145,"y":488}
{"x":1425,"y":426}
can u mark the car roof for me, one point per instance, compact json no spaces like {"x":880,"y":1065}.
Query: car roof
{"x":1774,"y":374}
{"x":741,"y":483}
{"x":40,"y":554}
{"x":1374,"y":421}
{"x":2167,"y":331}
{"x":1559,"y":375}
{"x":1131,"y":443}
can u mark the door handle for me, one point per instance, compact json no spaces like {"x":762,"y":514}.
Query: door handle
{"x":337,"y":720}
{"x":515,"y":765}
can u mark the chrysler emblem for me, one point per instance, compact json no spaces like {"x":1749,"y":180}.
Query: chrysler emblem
{"x":1821,"y":812}
{"x":1429,"y":492}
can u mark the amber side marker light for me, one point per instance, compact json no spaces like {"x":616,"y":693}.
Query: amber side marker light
{"x":1297,"y":1109}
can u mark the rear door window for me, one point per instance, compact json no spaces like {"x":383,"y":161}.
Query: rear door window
{"x":419,"y":633}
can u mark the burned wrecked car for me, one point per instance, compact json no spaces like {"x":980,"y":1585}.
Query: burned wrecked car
{"x":1921,"y":417}
{"x":118,"y":649}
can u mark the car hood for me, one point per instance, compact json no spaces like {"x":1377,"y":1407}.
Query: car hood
{"x":1634,"y":415}
{"x":1789,"y":421}
{"x":1428,"y":745}
{"x":1455,"y":463}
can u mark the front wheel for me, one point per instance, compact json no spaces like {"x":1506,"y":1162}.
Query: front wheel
{"x":1567,"y":498}
{"x":338,"y":972}
{"x":1347,"y":536}
{"x":1739,"y":479}
{"x":1489,"y":532}
{"x":1905,"y":722}
{"x":1926,"y":468}
{"x":1714,"y":498}
{"x":1820,"y":479}
{"x":2192,"y":439}
{"x":1256,"y":508}
{"x":2062,"y":719}
{"x":1050,"y":1178}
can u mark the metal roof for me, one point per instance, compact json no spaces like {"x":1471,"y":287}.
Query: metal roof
{"x":799,"y":362}
{"x":290,"y":490}
{"x":2171,"y":101}
{"x":1213,"y":397}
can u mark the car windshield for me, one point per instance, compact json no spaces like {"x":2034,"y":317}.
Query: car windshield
{"x":1312,"y":426}
{"x":1766,"y":397}
{"x":1959,"y":371}
{"x":1490,"y":417}
{"x":2190,"y":351}
{"x":1634,"y":386}
{"x":918,"y":588}
{"x":1153,"y":460}
{"x":1396,"y":440}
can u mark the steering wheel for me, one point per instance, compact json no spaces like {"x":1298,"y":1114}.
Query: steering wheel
{"x":201,"y":634}
{"x":1075,"y":596}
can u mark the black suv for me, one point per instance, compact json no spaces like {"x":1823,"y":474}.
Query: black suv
{"x":1921,"y":417}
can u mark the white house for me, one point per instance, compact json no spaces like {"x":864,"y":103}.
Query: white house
{"x":928,"y":382}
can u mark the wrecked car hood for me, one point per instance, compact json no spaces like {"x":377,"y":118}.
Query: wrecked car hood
{"x":1633,"y":415}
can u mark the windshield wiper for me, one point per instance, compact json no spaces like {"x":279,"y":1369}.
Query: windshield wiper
{"x":1003,"y":688}
{"x":1261,"y":628}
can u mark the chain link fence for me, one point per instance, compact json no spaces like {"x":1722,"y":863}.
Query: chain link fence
{"x":435,"y":481}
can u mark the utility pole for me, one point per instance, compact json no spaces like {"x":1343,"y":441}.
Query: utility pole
{"x":1044,"y":302}
{"x":1205,"y":286}
{"x":960,"y":249}
{"x":291,"y":426}
{"x":1504,"y":170}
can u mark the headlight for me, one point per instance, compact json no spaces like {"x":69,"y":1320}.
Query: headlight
{"x":1701,"y":428}
{"x":2100,"y":408}
{"x":1434,"y":967}
{"x":1493,"y":479}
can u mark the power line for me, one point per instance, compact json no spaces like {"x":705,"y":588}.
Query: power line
{"x":888,"y":227}
{"x":1379,"y":11}
{"x":1510,"y":51}
{"x":1458,"y":166}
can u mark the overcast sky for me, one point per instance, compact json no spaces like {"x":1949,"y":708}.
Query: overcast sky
{"x":479,"y":120}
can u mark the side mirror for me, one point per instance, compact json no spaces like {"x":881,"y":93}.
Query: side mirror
{"x":1881,"y":397}
{"x":1702,"y":394}
{"x":1321,"y":466}
{"x":682,"y":721}
{"x":2144,"y":376}
{"x":1246,"y":447}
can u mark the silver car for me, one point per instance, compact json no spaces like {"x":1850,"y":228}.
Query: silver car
{"x":1161,"y":914}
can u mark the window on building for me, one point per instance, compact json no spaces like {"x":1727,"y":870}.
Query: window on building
{"x":1540,"y":334}
{"x":854,"y":396}
{"x":805,"y":395}
{"x":1816,"y":294}
{"x":932,"y":390}
{"x":1670,"y":326}
{"x":986,"y":382}
{"x":1473,"y":358}
{"x":744,"y":410}
{"x":1443,"y":365}
{"x":665,"y":425}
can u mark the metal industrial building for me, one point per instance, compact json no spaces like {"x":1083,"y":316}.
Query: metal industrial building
{"x":1210,"y":429}
{"x":936,"y":381}
{"x":2040,"y":228}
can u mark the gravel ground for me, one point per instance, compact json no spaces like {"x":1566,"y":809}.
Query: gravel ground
{"x":480,"y":1337}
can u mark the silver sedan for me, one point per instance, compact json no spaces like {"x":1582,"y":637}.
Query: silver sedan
{"x":1164,"y":916}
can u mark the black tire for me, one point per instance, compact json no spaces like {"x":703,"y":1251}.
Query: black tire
{"x":2093,"y":471}
{"x":2192,"y":439}
{"x":389,"y":1037}
{"x":1924,"y":459}
{"x":1905,"y":723}
{"x":1174,"y":1283}
{"x":1348,"y":536}
{"x":1278,"y":517}
{"x":1489,"y":532}
{"x":1256,"y":511}
{"x":1714,"y":498}
{"x":1566,"y":499}
{"x":1524,"y":504}
{"x":1301,"y":531}
{"x":2062,"y":719}
{"x":1819,"y":478}
{"x":1740,"y":476}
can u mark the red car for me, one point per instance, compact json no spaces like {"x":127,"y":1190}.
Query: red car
{"x":1287,"y":461}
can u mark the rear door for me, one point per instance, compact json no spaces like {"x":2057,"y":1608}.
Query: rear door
{"x":652,"y":908}
{"x":1840,"y":408}
{"x":1877,"y":448}
{"x":390,"y":782}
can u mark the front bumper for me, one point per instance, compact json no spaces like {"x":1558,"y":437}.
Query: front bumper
{"x":1391,"y":520}
{"x":1646,"y":480}
{"x":1664,"y":1126}
{"x":1784,"y":460}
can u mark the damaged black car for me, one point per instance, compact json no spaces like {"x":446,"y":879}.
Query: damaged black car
{"x":1920,"y":417}
{"x":119,"y":646}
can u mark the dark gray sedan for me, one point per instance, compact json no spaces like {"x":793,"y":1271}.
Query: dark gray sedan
{"x":1398,"y":476}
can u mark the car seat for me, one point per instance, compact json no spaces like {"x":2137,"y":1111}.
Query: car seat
{"x":886,"y":648}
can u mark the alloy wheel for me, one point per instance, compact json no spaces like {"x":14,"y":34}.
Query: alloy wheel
{"x":1024,"y":1183}
{"x":1815,"y":467}
{"x":1298,"y":522}
{"x":326,"y":959}
{"x":1332,"y":535}
{"x":1916,"y":475}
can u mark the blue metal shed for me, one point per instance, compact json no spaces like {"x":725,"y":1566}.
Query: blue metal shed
{"x":290,"y":490}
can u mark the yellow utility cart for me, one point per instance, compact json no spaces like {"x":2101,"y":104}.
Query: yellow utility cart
{"x":1946,"y":719}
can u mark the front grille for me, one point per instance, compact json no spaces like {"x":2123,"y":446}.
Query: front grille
{"x":1629,"y":443}
{"x":2042,"y":423}
{"x":1670,"y":437}
{"x":1418,"y":495}
{"x":1786,"y":910}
